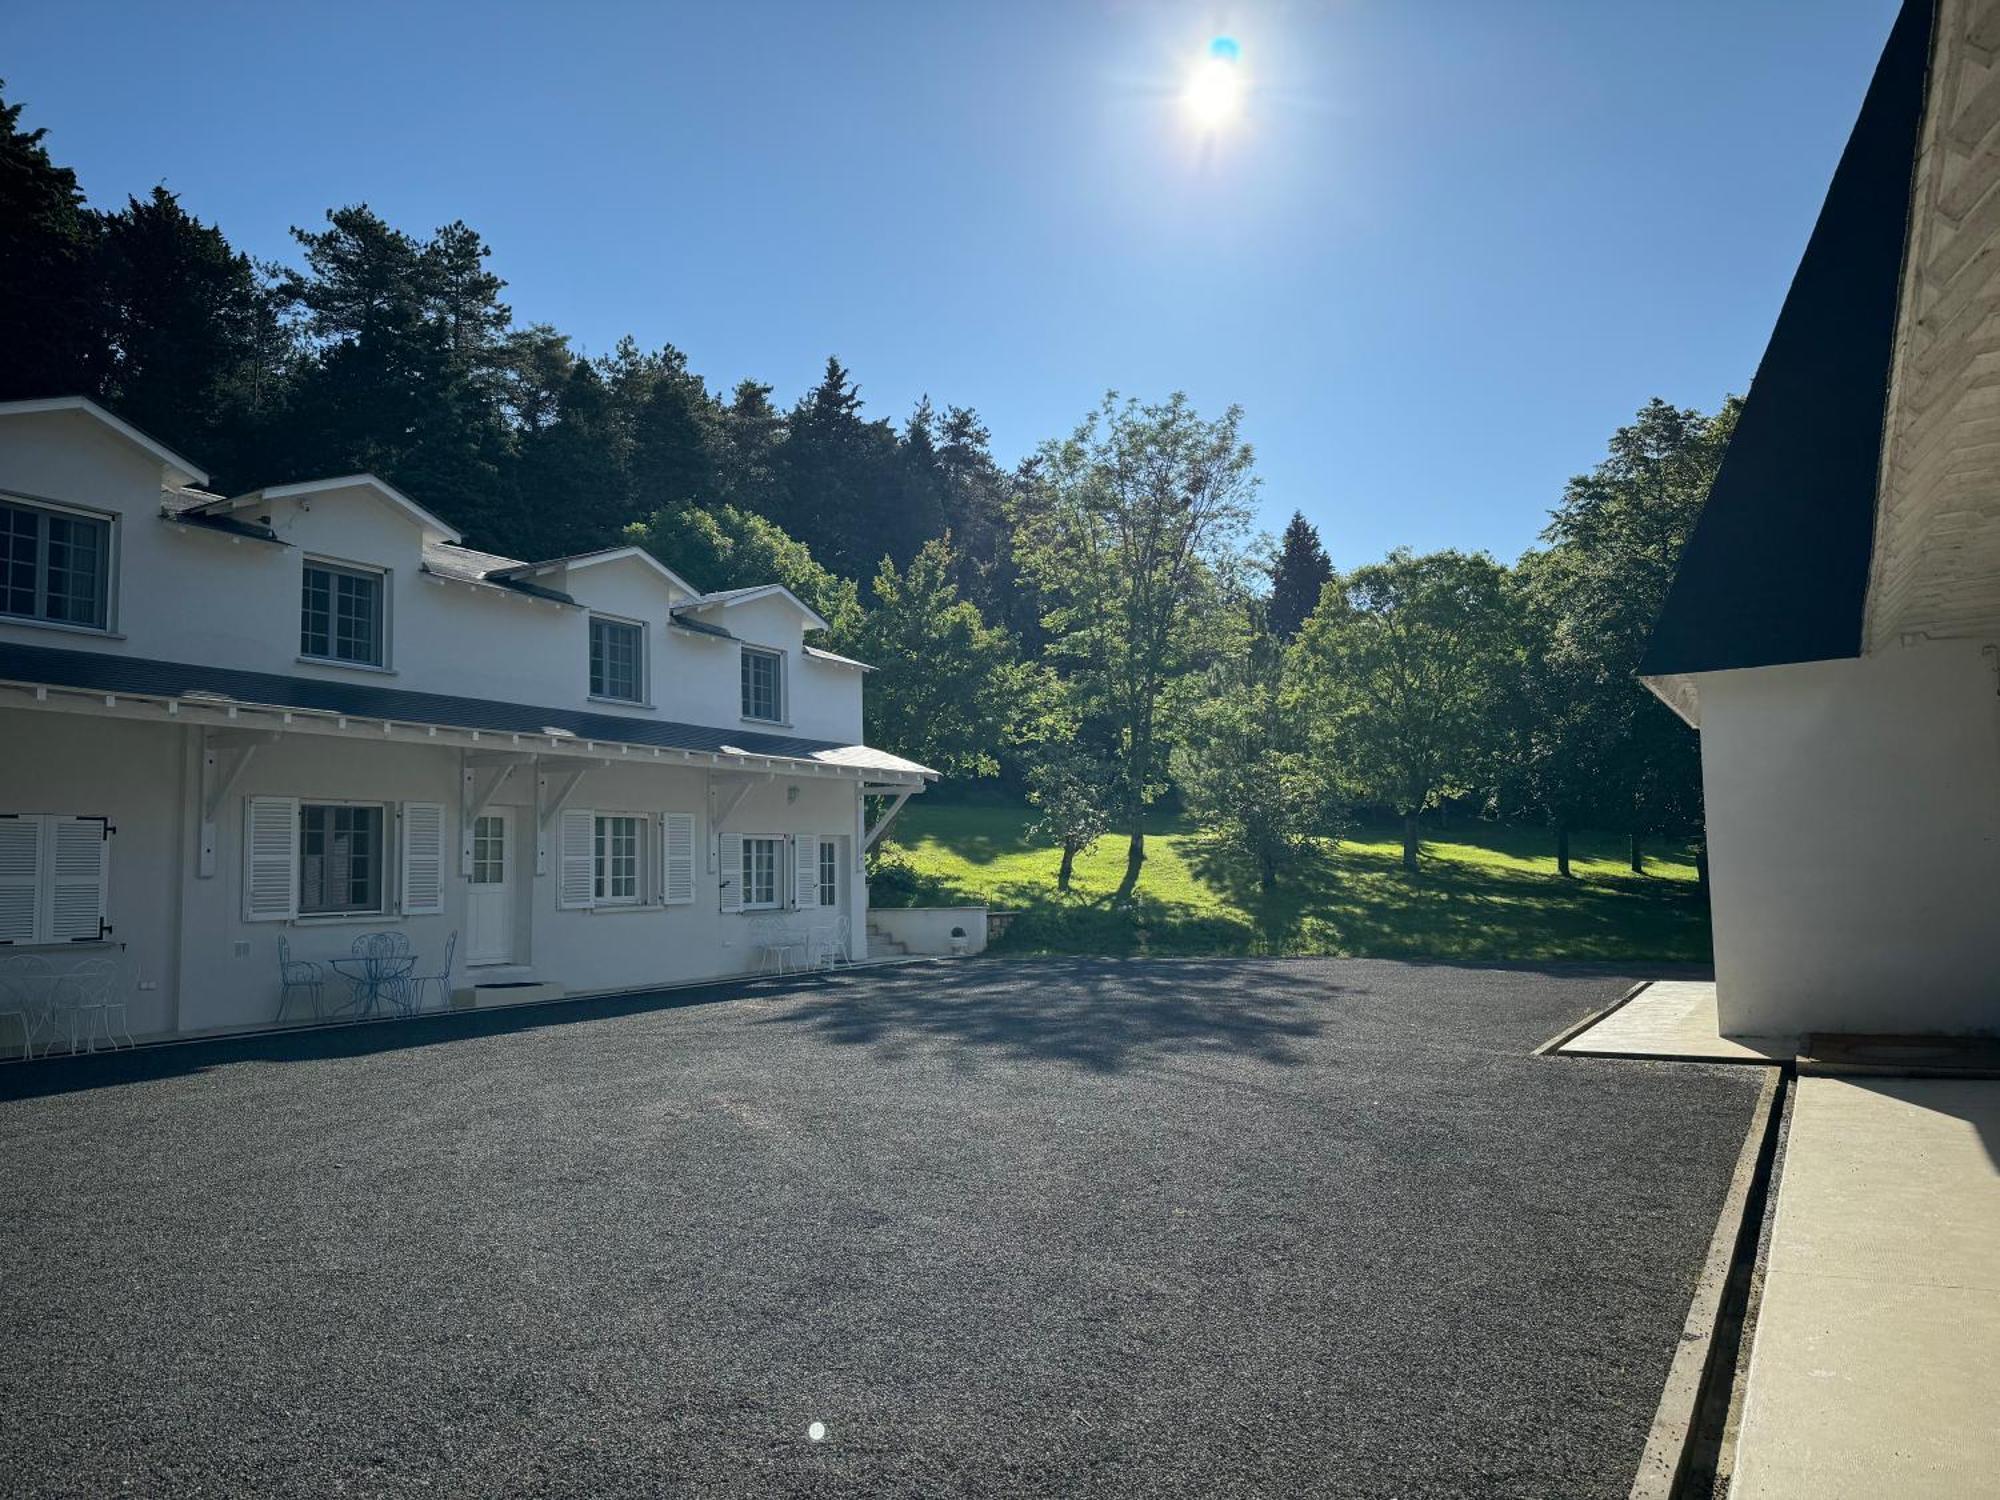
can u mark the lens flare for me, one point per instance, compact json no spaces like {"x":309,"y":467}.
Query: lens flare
{"x":1214,"y":92}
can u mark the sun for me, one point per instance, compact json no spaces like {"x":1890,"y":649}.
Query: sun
{"x":1214,"y":92}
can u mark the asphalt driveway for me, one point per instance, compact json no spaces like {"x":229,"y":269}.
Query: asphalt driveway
{"x":1055,"y":1228}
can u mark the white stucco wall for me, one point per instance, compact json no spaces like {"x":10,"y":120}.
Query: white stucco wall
{"x":928,"y":929}
{"x":1854,"y":842}
{"x":183,"y":594}
{"x":191,"y":962}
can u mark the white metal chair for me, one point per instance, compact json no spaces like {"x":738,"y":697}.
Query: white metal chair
{"x":772,"y":940}
{"x":413,"y":984}
{"x":100,"y":999}
{"x":19,"y":1001}
{"x":299,"y":977}
{"x":830,"y":944}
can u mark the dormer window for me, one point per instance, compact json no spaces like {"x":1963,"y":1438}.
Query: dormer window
{"x":55,"y":566}
{"x":617,"y":660}
{"x":342,"y":618}
{"x":763,"y":685}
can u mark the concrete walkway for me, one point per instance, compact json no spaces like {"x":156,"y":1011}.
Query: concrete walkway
{"x":1876,"y":1364}
{"x":1674,"y":1020}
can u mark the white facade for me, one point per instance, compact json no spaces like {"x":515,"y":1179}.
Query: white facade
{"x":1854,"y":842}
{"x":594,"y":841}
{"x":1853,"y":802}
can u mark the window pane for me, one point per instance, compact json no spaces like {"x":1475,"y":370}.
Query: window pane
{"x":20,"y":559}
{"x":54,"y":566}
{"x":617,"y":848}
{"x":342,"y":617}
{"x":76,"y":554}
{"x":340,"y":859}
{"x":760,"y":685}
{"x":829,"y":873}
{"x":614,"y":660}
{"x":316,"y":629}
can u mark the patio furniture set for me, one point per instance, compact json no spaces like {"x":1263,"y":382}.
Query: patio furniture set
{"x":824,"y":945}
{"x":381,"y":974}
{"x":56,"y":1001}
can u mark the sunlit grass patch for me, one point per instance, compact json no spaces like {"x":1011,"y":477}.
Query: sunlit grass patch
{"x":1484,"y":892}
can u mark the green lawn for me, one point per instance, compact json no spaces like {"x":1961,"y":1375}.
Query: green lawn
{"x":1485,"y":891}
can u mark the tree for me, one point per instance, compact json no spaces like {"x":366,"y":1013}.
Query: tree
{"x":727,"y":548}
{"x":1242,"y":764}
{"x":567,"y":476}
{"x":407,"y":369}
{"x":196,"y":352}
{"x":1302,"y":572}
{"x":1401,"y":667}
{"x":1126,"y":530}
{"x":1616,"y":540}
{"x":1074,"y":792}
{"x":50,"y":301}
{"x":946,"y":684}
{"x":841,"y":477}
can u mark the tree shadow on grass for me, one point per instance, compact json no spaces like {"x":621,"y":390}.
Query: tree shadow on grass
{"x":1359,"y":902}
{"x":1101,"y":1015}
{"x":1364,"y":903}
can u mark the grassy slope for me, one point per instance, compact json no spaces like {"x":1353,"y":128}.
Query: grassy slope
{"x":1484,"y":892}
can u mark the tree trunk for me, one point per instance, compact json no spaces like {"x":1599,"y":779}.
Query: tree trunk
{"x":1267,"y":873}
{"x":1638,"y":854}
{"x":1068,"y":865}
{"x":1562,"y":850}
{"x":1410,"y":842}
{"x":1135,"y":856}
{"x":1701,"y":869}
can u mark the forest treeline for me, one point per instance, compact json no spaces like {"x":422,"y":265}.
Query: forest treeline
{"x":1099,"y":625}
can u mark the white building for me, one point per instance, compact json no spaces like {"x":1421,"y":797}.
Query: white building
{"x":1834,"y":629}
{"x":307,"y":712}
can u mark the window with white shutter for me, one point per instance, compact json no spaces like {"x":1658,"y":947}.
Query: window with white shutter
{"x":676,"y":858}
{"x":53,"y":875}
{"x":75,"y":856}
{"x":576,"y":859}
{"x":805,"y":872}
{"x":20,"y":878}
{"x":729,"y":850}
{"x":423,"y":859}
{"x":270,"y":859}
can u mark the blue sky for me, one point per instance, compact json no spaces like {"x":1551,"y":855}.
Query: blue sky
{"x":1445,"y":249}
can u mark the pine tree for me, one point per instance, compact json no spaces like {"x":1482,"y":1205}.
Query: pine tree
{"x":49,"y":302}
{"x":1300,"y":576}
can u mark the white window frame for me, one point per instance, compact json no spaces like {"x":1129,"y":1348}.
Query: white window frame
{"x":776,"y":841}
{"x":641,"y":667}
{"x":383,"y":595}
{"x":829,"y":862}
{"x":384,"y":897}
{"x":600,"y":874}
{"x":109,"y":520}
{"x":746,"y":651}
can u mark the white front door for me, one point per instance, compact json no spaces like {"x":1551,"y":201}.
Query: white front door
{"x":489,"y":903}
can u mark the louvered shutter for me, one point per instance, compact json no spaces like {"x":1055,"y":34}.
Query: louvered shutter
{"x":20,"y":878}
{"x":77,"y":849}
{"x":423,"y":859}
{"x":270,"y":859}
{"x":805,"y":872}
{"x":731,"y":860}
{"x":676,"y":858}
{"x":576,"y":861}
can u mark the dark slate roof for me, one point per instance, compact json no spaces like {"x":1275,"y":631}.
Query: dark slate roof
{"x":700,"y":627}
{"x":464,"y":565}
{"x":1777,"y":568}
{"x":109,"y":672}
